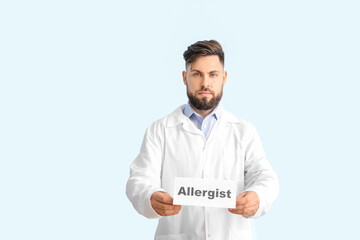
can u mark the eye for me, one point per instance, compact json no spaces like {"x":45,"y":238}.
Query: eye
{"x":213,"y":75}
{"x":196,"y":74}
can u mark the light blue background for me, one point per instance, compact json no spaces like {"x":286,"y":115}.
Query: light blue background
{"x":81,"y":81}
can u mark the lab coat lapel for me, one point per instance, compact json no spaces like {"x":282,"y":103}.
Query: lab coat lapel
{"x":190,"y":127}
{"x":177,"y":117}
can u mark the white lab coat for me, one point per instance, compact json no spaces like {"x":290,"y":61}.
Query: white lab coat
{"x":174,"y":147}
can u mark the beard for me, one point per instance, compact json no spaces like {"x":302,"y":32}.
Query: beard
{"x":202,"y":103}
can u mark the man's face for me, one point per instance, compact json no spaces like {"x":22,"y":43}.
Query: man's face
{"x":204,"y":82}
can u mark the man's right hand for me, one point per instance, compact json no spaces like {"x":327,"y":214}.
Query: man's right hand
{"x":162,"y":203}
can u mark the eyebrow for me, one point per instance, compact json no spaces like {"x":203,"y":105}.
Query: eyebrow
{"x":195,"y":70}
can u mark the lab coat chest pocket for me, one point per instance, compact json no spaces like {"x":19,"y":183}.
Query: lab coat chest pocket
{"x":233,"y":162}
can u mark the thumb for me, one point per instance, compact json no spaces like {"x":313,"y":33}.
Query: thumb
{"x":243,"y":194}
{"x":241,"y":198}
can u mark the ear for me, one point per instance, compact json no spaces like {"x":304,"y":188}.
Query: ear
{"x":184,"y":77}
{"x":224,"y":77}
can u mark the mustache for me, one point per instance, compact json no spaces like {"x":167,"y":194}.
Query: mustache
{"x":206,"y":90}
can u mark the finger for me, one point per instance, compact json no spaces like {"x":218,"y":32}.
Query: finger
{"x":241,"y":195}
{"x":252,"y":196}
{"x":249,"y":211}
{"x":163,"y":197}
{"x":241,"y":199}
{"x":162,"y":206}
{"x":247,"y":205}
{"x":171,"y":212}
{"x":168,"y":212}
{"x":234,"y":210}
{"x":246,"y":197}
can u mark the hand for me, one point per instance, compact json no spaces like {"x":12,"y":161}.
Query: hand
{"x":247,"y":204}
{"x":162,"y":203}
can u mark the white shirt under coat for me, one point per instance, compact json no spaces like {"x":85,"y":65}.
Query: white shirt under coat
{"x":204,"y":124}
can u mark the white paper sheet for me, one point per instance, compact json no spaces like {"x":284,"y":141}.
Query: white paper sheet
{"x":205,"y":192}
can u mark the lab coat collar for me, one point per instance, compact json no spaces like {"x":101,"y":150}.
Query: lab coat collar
{"x":178,"y":117}
{"x":188,"y":110}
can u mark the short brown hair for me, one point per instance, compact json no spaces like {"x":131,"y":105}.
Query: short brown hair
{"x":203,"y":48}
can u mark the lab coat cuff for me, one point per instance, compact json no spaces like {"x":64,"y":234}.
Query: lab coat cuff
{"x":149,"y":211}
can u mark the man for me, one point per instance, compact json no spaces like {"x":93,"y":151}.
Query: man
{"x":202,"y":140}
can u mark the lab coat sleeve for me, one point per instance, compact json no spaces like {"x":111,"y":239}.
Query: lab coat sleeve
{"x":145,"y":173}
{"x":259,"y":175}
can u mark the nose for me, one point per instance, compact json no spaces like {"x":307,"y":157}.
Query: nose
{"x":205,"y":82}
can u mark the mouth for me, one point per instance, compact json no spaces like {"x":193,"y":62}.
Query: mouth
{"x":205,"y":93}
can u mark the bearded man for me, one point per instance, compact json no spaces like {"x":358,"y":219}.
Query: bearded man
{"x":202,"y":140}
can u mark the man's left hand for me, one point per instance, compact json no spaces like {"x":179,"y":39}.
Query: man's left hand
{"x":247,"y":204}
